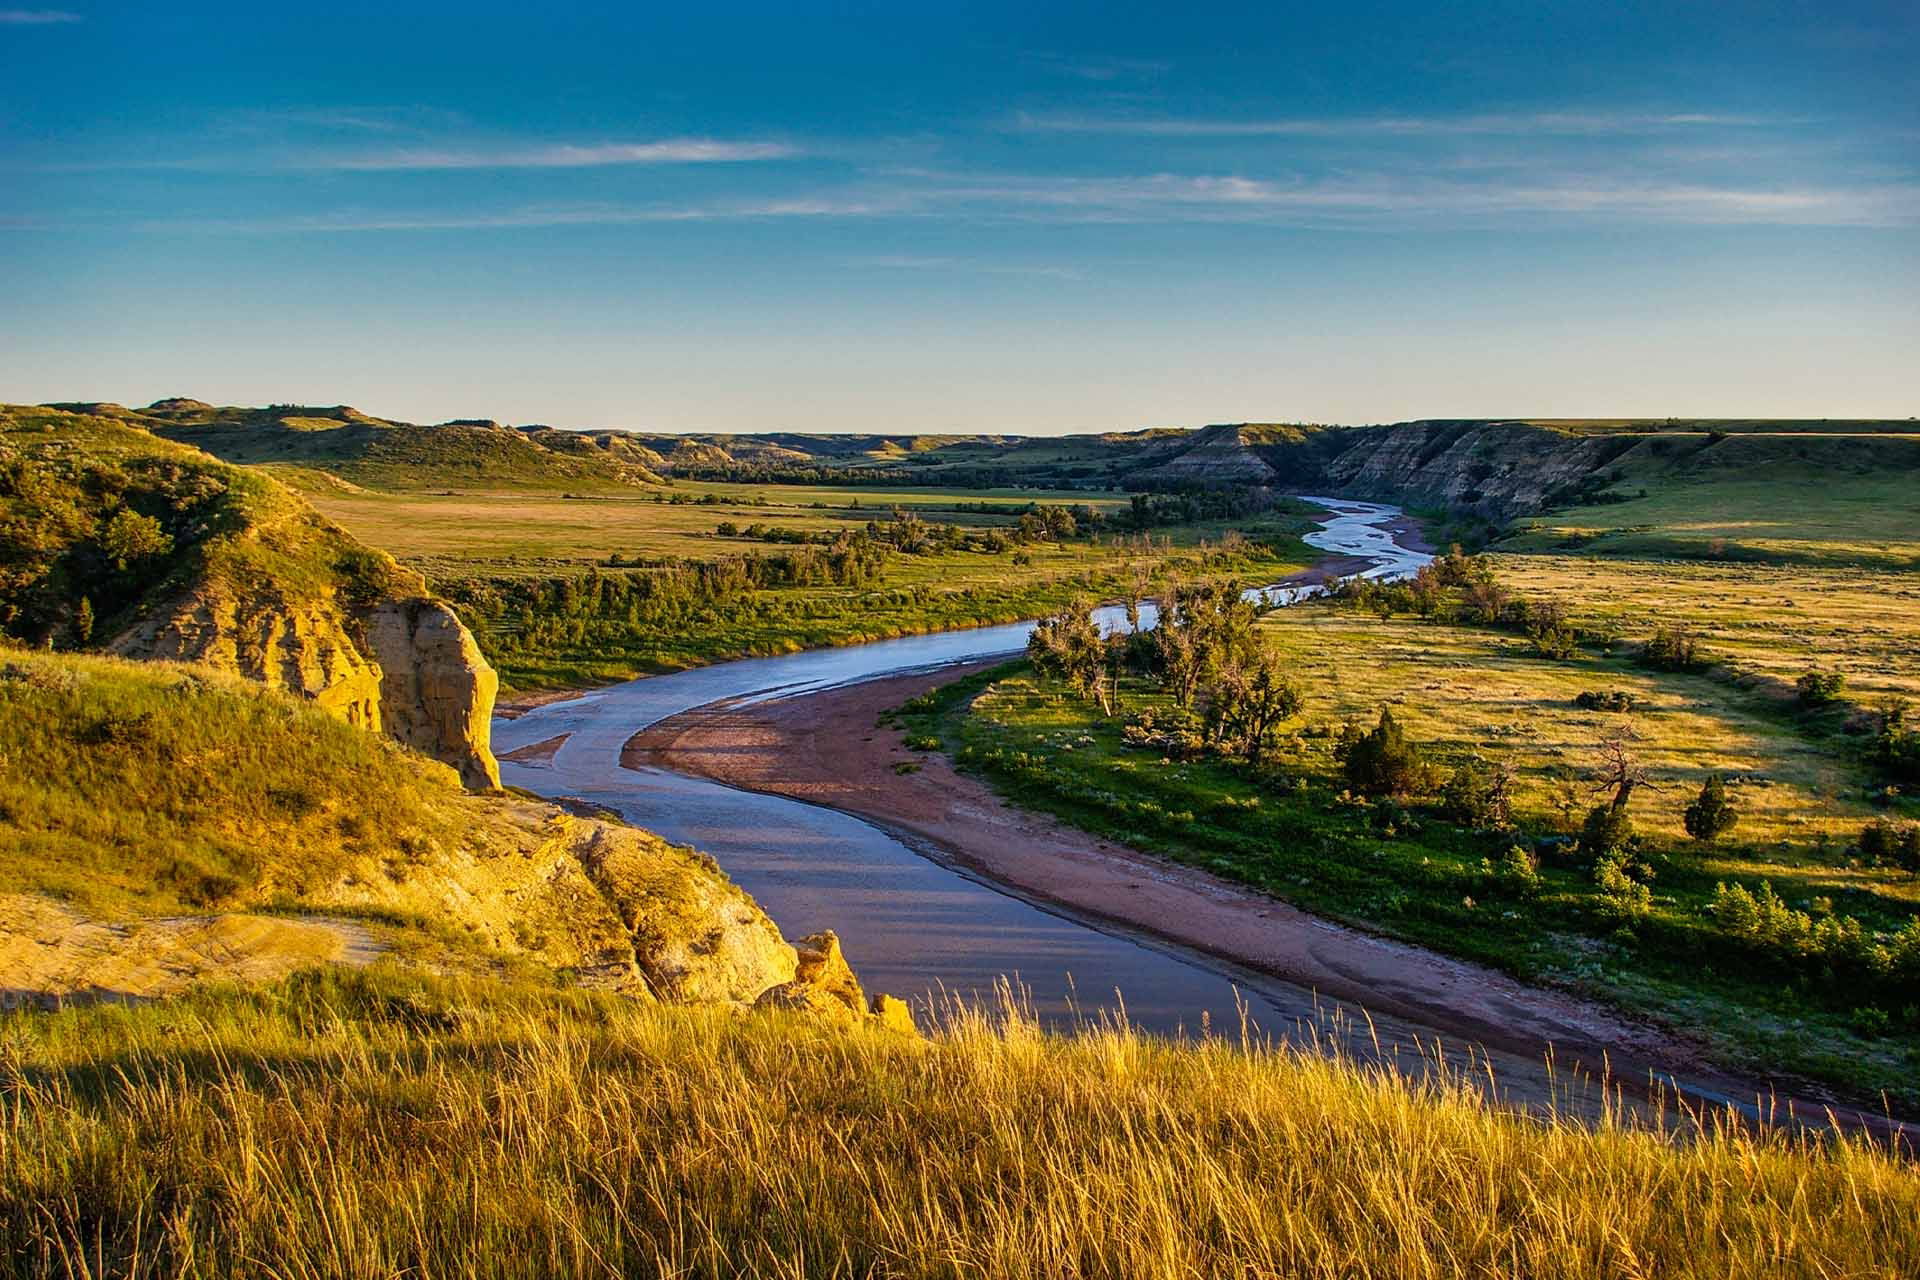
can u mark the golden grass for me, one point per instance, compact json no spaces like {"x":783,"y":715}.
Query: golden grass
{"x":378,"y":1125}
{"x":1466,"y":690}
{"x":1767,"y":620}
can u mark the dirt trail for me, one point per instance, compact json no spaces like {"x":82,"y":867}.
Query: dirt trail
{"x":51,"y":954}
{"x":825,"y":748}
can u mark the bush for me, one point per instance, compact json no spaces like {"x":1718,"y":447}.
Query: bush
{"x":1476,"y":795}
{"x":1607,"y":832}
{"x":1711,"y":814}
{"x":1517,"y":871}
{"x":1886,"y":841}
{"x":1820,"y":688}
{"x":1621,"y":895}
{"x":1673,"y":648}
{"x":1384,"y":762}
{"x":1604,"y":700}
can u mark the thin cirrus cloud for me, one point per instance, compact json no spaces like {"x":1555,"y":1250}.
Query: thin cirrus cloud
{"x":529,"y":217}
{"x":1382,"y":203}
{"x":1557,"y":123}
{"x":1396,"y":201}
{"x":553,"y":156}
{"x":36,"y":17}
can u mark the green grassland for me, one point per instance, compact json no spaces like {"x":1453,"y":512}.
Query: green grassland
{"x":386,"y":1123}
{"x":1292,"y":829}
{"x":1779,"y":565}
{"x":548,"y":583}
{"x":507,"y":532}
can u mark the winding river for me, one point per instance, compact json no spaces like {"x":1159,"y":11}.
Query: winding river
{"x":917,"y":926}
{"x":911,"y":924}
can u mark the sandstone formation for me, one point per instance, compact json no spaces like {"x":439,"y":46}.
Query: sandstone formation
{"x":436,"y":689}
{"x":405,"y":666}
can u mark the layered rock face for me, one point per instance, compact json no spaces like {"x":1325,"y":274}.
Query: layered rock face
{"x":1497,"y":469}
{"x":436,"y":690}
{"x":407,"y":666}
{"x":301,"y":650}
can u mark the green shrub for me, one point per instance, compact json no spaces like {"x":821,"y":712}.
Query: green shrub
{"x":1384,"y":762}
{"x":1673,"y":647}
{"x":1477,"y":795}
{"x":1607,"y":832}
{"x":1621,"y":894}
{"x":1711,"y":814}
{"x":1887,"y":841}
{"x":1819,"y":688}
{"x":1604,"y":700}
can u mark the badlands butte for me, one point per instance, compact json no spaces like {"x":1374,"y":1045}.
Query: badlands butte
{"x":252,"y":828}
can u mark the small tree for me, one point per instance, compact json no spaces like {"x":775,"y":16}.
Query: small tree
{"x":83,"y":620}
{"x":128,"y":537}
{"x":1069,"y":644}
{"x":1477,"y":795}
{"x":1385,"y":762}
{"x":1252,"y":702}
{"x":1885,"y":841}
{"x":1607,"y":833}
{"x":1819,"y":688}
{"x":1711,"y":814}
{"x":1674,"y":647}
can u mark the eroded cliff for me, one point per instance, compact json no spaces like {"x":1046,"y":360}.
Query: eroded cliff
{"x":114,"y":538}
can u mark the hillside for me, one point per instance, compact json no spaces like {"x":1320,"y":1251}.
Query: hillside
{"x":137,"y":791}
{"x":402,"y":456}
{"x":112,"y":538}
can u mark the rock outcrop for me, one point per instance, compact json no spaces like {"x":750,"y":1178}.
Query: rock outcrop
{"x":436,"y":688}
{"x":405,"y":666}
{"x":1498,"y":469}
{"x":232,"y":570}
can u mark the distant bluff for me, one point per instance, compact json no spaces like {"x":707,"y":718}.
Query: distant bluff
{"x":114,"y":539}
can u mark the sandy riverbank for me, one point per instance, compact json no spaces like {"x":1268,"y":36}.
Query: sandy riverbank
{"x":826,"y":748}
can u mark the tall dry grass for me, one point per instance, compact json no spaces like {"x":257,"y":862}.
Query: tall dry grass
{"x":376,"y":1125}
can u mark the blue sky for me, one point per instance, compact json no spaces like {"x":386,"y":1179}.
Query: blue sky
{"x":1024,"y":217}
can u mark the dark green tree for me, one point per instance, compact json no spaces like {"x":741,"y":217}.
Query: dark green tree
{"x":1711,"y":814}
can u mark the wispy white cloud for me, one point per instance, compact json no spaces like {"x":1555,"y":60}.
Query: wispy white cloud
{"x":1394,"y":200}
{"x":911,"y":262}
{"x":1096,"y":68}
{"x":36,"y":17}
{"x":553,"y":156}
{"x":528,"y":217}
{"x":1565,"y":123}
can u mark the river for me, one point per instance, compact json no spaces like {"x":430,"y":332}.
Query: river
{"x":911,"y":924}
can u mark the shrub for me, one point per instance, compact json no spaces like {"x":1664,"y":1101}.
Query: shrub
{"x":1674,"y":647}
{"x":1384,"y":762}
{"x":1886,"y":841}
{"x":1604,"y":700}
{"x":1607,"y":832}
{"x":1476,"y":795}
{"x":129,"y":537}
{"x":1711,"y":814}
{"x":1621,"y":895}
{"x":1820,"y":688}
{"x":1517,"y":871}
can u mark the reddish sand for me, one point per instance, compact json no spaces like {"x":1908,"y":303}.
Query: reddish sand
{"x":825,"y":748}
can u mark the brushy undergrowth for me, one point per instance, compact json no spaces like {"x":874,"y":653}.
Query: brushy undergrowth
{"x":380,"y":1123}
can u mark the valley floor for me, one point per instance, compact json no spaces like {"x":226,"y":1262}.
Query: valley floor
{"x":830,"y":748}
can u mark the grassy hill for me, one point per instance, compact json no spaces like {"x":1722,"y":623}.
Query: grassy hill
{"x":401,"y":456}
{"x":97,"y":509}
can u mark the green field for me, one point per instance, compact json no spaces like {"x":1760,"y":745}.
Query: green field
{"x":1775,"y":571}
{"x":555,"y":587}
